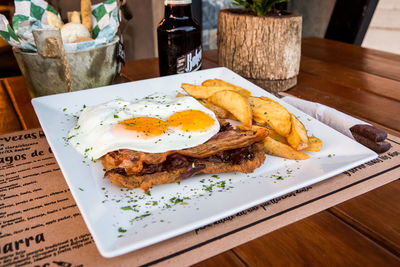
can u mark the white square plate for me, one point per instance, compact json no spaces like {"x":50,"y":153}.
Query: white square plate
{"x":122,"y":220}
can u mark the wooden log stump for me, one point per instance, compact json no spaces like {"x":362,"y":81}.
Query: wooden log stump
{"x":265,"y":50}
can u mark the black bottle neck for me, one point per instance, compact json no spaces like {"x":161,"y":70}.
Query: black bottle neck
{"x":183,"y":11}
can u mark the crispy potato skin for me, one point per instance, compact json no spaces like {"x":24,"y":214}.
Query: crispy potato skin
{"x":297,"y":138}
{"x":237,"y":105}
{"x":222,"y":83}
{"x":202,"y":92}
{"x":266,"y":111}
{"x":279,"y":149}
{"x":314,"y":144}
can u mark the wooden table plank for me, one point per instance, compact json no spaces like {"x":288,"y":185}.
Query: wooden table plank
{"x":351,"y":78}
{"x":226,"y":259}
{"x":211,"y":55}
{"x":348,"y":100}
{"x":375,"y":214}
{"x":351,"y":56}
{"x":319,"y":240}
{"x":9,"y":121}
{"x":21,"y":101}
{"x":140,"y":69}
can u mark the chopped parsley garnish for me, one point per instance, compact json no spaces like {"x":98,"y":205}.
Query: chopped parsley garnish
{"x":140,"y":217}
{"x":121,"y":230}
{"x":69,"y":138}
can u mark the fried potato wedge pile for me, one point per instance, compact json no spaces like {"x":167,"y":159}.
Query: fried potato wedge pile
{"x":287,"y":135}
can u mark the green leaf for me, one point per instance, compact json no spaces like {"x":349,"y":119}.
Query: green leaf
{"x":259,"y":7}
{"x":121,"y":230}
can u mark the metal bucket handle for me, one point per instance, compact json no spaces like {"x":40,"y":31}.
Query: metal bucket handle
{"x":48,"y":43}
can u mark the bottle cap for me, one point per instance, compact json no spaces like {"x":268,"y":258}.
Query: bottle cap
{"x":177,"y":2}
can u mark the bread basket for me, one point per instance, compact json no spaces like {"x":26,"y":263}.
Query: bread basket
{"x":52,"y":70}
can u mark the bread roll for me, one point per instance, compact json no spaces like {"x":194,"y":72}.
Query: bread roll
{"x":70,"y":32}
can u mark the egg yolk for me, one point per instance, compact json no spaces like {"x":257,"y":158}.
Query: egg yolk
{"x":191,"y":120}
{"x":147,"y":126}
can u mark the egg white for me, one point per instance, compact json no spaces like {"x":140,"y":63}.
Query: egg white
{"x":93,"y":136}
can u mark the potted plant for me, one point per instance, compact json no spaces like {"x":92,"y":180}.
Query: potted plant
{"x":261,"y":43}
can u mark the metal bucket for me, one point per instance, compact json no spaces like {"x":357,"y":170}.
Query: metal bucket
{"x":89,"y":69}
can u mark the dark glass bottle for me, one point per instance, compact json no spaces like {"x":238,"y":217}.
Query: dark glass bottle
{"x":179,"y":39}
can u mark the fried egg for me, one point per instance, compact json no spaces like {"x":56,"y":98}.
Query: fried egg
{"x":155,"y":124}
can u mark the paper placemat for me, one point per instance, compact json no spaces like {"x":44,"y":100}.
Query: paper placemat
{"x":40,"y":223}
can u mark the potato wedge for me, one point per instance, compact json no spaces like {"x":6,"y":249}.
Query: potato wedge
{"x":222,"y":83}
{"x":277,"y":137}
{"x":218,"y":111}
{"x":314,"y":144}
{"x":279,"y":149}
{"x":200,"y":91}
{"x":235,"y":103}
{"x":267,"y":111}
{"x":297,"y":138}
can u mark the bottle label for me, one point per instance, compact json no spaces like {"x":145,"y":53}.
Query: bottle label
{"x":189,"y":62}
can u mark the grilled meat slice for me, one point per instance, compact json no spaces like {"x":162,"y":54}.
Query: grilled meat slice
{"x":134,"y":161}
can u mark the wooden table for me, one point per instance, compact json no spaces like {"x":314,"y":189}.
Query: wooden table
{"x":363,"y":231}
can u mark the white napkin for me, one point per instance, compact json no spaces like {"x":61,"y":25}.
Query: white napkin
{"x":337,"y":120}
